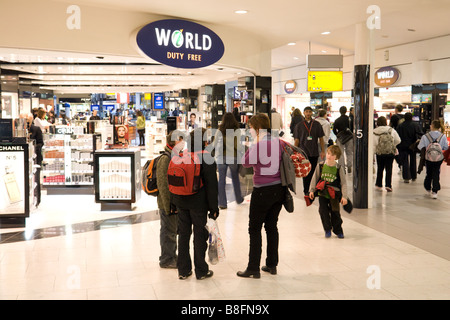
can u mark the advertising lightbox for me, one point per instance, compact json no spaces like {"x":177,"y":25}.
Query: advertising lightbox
{"x":180,"y":43}
{"x":322,"y":81}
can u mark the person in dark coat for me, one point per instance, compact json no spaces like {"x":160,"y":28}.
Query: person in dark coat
{"x":193,"y":211}
{"x":409,"y":132}
{"x":295,"y":119}
{"x":36,"y":134}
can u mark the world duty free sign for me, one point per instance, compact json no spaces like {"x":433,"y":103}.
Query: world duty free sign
{"x":180,"y":43}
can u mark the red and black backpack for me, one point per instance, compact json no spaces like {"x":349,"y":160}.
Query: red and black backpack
{"x":183,"y":174}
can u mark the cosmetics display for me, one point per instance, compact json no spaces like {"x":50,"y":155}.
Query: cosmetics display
{"x":117,"y":180}
{"x":16,"y":180}
{"x":68,"y":159}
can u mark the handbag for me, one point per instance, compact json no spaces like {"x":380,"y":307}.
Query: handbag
{"x":345,"y":136}
{"x":288,"y":203}
{"x":299,"y":159}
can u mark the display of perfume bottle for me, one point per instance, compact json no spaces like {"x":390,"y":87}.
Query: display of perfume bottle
{"x":11,"y":186}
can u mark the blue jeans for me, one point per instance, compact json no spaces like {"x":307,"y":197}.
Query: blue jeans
{"x":234,"y":169}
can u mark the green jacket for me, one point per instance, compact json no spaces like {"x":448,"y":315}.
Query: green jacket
{"x":161,"y":181}
{"x":140,"y":123}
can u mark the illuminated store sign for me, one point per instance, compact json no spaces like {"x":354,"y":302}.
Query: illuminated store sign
{"x":290,"y":86}
{"x":180,"y":43}
{"x":386,"y":76}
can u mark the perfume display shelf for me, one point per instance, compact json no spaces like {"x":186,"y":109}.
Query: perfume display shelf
{"x":68,"y":165}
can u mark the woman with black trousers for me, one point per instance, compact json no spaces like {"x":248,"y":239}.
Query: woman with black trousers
{"x":193,"y":211}
{"x":267,"y":196}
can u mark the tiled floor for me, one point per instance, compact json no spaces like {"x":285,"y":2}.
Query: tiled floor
{"x":400,"y":249}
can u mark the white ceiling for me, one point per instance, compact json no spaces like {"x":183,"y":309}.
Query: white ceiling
{"x":275,"y":23}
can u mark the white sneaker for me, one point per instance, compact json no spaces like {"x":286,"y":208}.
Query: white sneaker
{"x":434,"y":195}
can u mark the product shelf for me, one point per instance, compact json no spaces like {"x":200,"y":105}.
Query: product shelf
{"x":68,"y":161}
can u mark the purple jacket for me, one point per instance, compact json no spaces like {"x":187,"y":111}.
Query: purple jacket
{"x":265,"y":158}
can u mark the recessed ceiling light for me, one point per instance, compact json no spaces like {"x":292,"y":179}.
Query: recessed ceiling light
{"x":326,"y":32}
{"x":295,"y":58}
{"x":324,"y":51}
{"x":241,"y":11}
{"x":291,"y":44}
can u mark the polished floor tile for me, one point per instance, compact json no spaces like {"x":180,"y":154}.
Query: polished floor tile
{"x":397,"y":250}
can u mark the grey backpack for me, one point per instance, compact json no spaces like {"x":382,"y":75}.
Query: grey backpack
{"x":385,"y":143}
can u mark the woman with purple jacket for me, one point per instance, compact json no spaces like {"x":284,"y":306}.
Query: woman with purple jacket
{"x":267,"y":196}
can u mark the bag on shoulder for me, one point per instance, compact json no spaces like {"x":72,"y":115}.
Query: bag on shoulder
{"x":299,"y":159}
{"x":149,"y":182}
{"x":434,"y":151}
{"x":385,"y":143}
{"x":345,"y":136}
{"x":183,"y":174}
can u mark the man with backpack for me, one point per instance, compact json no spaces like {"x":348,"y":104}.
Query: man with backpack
{"x":434,"y":142}
{"x":193,"y":185}
{"x":167,"y":211}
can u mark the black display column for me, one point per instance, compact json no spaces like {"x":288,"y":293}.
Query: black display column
{"x":363,"y":103}
{"x":361,"y":143}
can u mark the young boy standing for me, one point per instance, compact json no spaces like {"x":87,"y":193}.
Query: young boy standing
{"x":330,"y":183}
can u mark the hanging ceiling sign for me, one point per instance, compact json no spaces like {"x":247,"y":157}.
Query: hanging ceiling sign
{"x":386,"y":76}
{"x":180,"y":43}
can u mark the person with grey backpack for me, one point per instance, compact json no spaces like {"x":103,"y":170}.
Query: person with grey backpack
{"x":433,"y":143}
{"x":385,"y":141}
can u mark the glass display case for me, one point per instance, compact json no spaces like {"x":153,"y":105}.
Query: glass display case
{"x":16,"y":183}
{"x":118,"y":178}
{"x":69,"y":162}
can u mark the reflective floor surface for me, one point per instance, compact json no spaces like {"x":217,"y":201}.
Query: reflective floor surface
{"x":70,"y":249}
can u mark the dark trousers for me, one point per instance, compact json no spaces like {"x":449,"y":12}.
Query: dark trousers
{"x":141,"y":137}
{"x":188,"y":220}
{"x":408,"y":161}
{"x":307,"y":179}
{"x":168,"y":238}
{"x":330,"y":216}
{"x":37,"y":190}
{"x":431,"y":181}
{"x":265,"y":206}
{"x":384,"y":163}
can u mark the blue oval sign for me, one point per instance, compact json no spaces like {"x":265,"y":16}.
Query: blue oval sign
{"x":180,"y":43}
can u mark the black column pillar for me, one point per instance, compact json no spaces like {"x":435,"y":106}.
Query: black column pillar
{"x":361,"y":143}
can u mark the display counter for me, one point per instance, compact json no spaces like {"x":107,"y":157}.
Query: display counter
{"x":68,"y":165}
{"x":17,"y":183}
{"x":118,"y":178}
